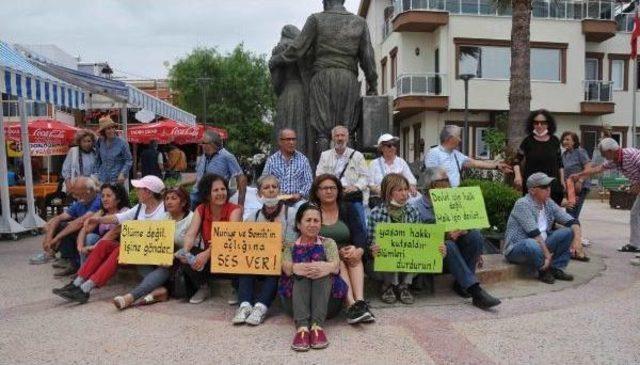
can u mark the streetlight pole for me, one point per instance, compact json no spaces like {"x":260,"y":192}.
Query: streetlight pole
{"x":465,"y":140}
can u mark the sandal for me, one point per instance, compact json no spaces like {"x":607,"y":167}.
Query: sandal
{"x":629,"y":248}
{"x":121,"y":303}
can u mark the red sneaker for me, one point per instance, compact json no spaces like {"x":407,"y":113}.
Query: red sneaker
{"x":301,"y":341}
{"x":318,"y":338}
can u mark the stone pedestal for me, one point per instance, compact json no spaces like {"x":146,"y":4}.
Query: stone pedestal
{"x":375,"y":120}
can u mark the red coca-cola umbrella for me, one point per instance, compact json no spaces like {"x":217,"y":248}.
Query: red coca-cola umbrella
{"x":167,"y":131}
{"x":47,"y":131}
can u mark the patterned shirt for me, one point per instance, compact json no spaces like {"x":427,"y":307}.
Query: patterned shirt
{"x":294,"y":175}
{"x":523,"y":221}
{"x":221,"y":163}
{"x":114,"y":158}
{"x":629,"y":164}
{"x":380,"y":214}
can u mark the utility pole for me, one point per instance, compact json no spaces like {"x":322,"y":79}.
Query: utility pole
{"x":204,"y":81}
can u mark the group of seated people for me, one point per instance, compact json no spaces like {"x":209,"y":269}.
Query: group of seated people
{"x":326,"y":247}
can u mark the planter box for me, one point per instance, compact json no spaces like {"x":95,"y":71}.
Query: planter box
{"x":621,"y":199}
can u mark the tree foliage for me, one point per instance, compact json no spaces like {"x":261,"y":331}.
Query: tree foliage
{"x":238,"y":93}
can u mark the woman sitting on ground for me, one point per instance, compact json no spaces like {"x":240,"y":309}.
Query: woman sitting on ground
{"x":114,"y":200}
{"x":253,"y":310}
{"x":103,"y":261}
{"x":151,"y":289}
{"x":215,"y":207}
{"x":394,"y":208}
{"x":344,"y":227}
{"x":310,"y":287}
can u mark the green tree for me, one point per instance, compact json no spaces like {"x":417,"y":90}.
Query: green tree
{"x":238,"y":94}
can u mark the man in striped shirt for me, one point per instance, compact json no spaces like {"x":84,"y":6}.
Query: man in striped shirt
{"x":627,"y":161}
{"x":290,"y":167}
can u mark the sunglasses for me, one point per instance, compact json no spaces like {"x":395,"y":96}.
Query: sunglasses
{"x":539,"y":122}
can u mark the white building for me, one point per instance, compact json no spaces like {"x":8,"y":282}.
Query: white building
{"x":580,"y":68}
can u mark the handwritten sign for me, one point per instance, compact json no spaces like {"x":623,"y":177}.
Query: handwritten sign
{"x":246,"y":248}
{"x":459,"y":208}
{"x":409,"y":247}
{"x":147,"y":242}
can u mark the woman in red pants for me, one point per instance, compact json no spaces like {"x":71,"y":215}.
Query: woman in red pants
{"x":103,"y":261}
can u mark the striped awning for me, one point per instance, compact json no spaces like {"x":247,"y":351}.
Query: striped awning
{"x":143,"y":100}
{"x":18,"y":77}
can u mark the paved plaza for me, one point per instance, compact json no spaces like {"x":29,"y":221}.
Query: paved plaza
{"x":592,"y":320}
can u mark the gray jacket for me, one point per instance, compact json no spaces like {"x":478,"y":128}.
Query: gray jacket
{"x":523,"y":220}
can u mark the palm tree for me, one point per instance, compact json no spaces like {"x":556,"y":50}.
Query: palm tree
{"x":520,"y":79}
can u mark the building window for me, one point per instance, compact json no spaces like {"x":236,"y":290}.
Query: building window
{"x":481,"y":149}
{"x":394,"y":66}
{"x":494,"y":62}
{"x":619,"y":71}
{"x":383,"y":75}
{"x":591,"y":69}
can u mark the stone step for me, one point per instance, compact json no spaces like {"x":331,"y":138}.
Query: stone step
{"x":495,"y":269}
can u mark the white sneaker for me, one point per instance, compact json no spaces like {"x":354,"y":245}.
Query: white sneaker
{"x":257,"y":315}
{"x":201,"y":295}
{"x":242,"y":313}
{"x":635,"y":262}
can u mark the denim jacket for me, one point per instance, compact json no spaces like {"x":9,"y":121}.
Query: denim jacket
{"x":114,"y":158}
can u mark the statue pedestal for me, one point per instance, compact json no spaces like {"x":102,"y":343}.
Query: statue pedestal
{"x":376,"y":118}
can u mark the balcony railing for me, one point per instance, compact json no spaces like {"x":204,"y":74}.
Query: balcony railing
{"x":429,"y":84}
{"x":554,"y":9}
{"x":596,"y":91}
{"x":625,"y":22}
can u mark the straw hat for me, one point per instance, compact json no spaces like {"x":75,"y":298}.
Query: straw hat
{"x":105,"y":122}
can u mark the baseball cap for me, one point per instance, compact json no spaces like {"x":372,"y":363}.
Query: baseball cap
{"x":150,"y":182}
{"x":539,"y":179}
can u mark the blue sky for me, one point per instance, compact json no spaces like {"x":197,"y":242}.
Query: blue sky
{"x":137,"y":37}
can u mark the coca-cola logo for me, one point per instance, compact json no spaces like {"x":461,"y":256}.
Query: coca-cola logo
{"x":181,"y":131}
{"x":48,"y":134}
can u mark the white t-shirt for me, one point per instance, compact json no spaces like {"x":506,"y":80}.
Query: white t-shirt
{"x":157,"y":215}
{"x":378,"y":169}
{"x":181,"y":228}
{"x":542,"y":224}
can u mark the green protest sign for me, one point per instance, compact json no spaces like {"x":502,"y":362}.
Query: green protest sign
{"x":407,"y":247}
{"x":459,"y":208}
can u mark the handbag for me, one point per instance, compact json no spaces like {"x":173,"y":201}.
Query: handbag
{"x":179,"y":287}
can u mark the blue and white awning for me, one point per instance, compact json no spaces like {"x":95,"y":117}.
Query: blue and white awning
{"x":18,"y":77}
{"x":143,"y":100}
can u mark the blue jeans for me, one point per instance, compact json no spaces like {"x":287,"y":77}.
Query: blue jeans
{"x":89,"y":240}
{"x":528,"y":252}
{"x":462,"y":257}
{"x":247,"y":285}
{"x":358,"y":208}
{"x":575,"y":211}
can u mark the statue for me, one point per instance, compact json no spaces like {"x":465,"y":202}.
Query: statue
{"x":336,"y":41}
{"x":289,"y":84}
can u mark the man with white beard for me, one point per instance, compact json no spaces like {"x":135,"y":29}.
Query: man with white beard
{"x":349,"y":166}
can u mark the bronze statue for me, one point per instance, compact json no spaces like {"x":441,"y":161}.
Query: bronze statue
{"x":336,"y":41}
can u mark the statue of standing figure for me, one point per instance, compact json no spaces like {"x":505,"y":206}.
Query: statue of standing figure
{"x":290,"y":82}
{"x":336,"y":42}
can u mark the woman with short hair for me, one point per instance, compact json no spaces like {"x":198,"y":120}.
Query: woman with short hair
{"x":81,"y":159}
{"x":253,"y":309}
{"x":393,"y":209}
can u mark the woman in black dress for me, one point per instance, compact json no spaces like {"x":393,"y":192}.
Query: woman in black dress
{"x":540,"y":152}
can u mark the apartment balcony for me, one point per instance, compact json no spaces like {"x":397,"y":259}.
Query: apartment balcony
{"x":418,"y":93}
{"x":599,"y":19}
{"x":598,"y":98}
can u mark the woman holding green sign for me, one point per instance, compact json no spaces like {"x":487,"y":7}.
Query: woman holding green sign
{"x":394,"y":208}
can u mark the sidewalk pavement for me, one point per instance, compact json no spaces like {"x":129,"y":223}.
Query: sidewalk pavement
{"x":592,"y":320}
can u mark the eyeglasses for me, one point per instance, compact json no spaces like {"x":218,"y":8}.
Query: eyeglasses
{"x":288,"y":139}
{"x":328,"y":188}
{"x":537,"y":122}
